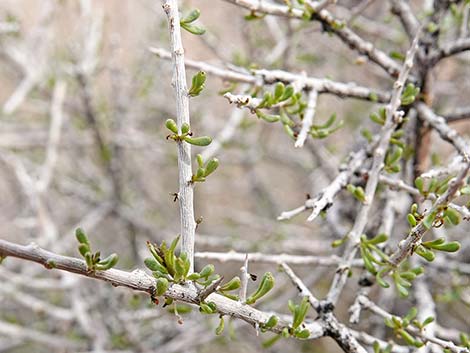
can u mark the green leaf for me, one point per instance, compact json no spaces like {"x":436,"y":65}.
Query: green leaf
{"x":108,"y":262}
{"x":272,"y":321}
{"x":359,"y":194}
{"x":452,"y":246}
{"x":367,"y":261}
{"x":200,"y":173}
{"x":267,"y":283}
{"x":408,"y":275}
{"x":409,"y":94}
{"x":302,"y":334}
{"x":161,"y":287}
{"x":425,"y":253}
{"x":411,"y":314}
{"x":83,"y":249}
{"x":279,"y":91}
{"x":465,"y":190}
{"x":393,"y":157}
{"x":171,"y":125}
{"x":452,"y":215}
{"x":429,"y":220}
{"x":406,"y":337}
{"x":81,"y":236}
{"x":381,"y":238}
{"x":271,"y":341}
{"x":220,"y":328}
{"x":152,"y":265}
{"x":411,"y":220}
{"x":211,"y":166}
{"x":198,"y":84}
{"x":207,"y":271}
{"x":397,"y":55}
{"x":194,"y":276}
{"x":339,"y":242}
{"x":267,"y":117}
{"x":288,"y":92}
{"x":431,"y":244}
{"x":377,"y":119}
{"x":200,"y":161}
{"x":300,"y":313}
{"x":192,"y":16}
{"x":389,"y":323}
{"x":381,"y":282}
{"x":197,"y":30}
{"x":233,"y":284}
{"x":89,"y":261}
{"x":198,"y":141}
{"x":185,"y":128}
{"x":373,"y":97}
{"x":180,"y":269}
{"x":428,"y":321}
{"x":328,"y":123}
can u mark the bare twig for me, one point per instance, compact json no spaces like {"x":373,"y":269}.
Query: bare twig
{"x":447,"y":133}
{"x":307,"y":121}
{"x":326,"y":197}
{"x":259,"y":77}
{"x":244,"y":274}
{"x":274,"y":258}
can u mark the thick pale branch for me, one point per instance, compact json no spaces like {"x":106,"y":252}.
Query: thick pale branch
{"x":140,"y":281}
{"x":185,"y":194}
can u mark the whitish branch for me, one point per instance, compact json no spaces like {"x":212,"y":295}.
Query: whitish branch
{"x":459,"y":114}
{"x":326,"y":197}
{"x":185,"y":194}
{"x":54,"y":136}
{"x":261,"y":77}
{"x":307,"y":121}
{"x":407,"y":18}
{"x":332,"y":260}
{"x":457,"y":47}
{"x":439,"y":124}
{"x":140,"y":281}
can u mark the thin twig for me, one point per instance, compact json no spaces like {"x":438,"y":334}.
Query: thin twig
{"x":307,"y":121}
{"x":261,"y":77}
{"x":392,"y":119}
